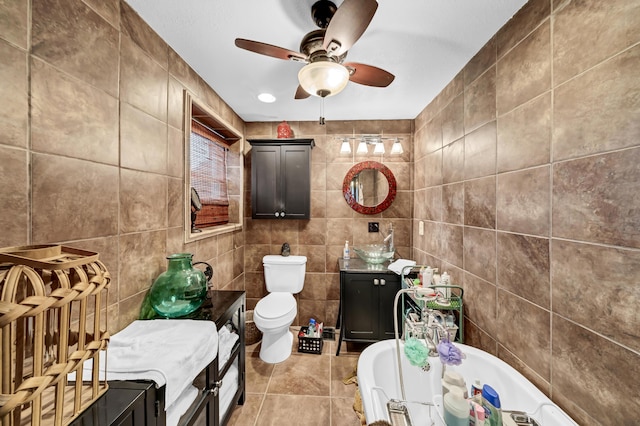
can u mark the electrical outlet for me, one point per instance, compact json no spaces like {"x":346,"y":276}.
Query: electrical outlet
{"x":374,"y":227}
{"x":421,"y":228}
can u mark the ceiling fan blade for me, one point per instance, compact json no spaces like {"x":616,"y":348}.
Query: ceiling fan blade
{"x":270,"y":50}
{"x":347,"y":25}
{"x":301,"y":93}
{"x":369,"y":75}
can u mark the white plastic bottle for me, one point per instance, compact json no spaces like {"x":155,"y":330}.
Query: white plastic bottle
{"x":456,"y":408}
{"x":346,"y":253}
{"x":446,"y":280}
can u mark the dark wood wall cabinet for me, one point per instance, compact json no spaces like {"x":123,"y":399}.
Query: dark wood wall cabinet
{"x":140,"y":403}
{"x":281,"y":178}
{"x":366,"y":302}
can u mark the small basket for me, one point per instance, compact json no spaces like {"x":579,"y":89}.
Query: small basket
{"x":251,"y":333}
{"x":309,"y":345}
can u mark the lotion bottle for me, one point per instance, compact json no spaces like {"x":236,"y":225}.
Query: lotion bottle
{"x":346,"y":253}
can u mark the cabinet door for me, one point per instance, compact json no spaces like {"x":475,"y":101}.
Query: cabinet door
{"x":360,"y":307}
{"x":265,"y":178}
{"x":387,"y":295}
{"x":295,"y":181}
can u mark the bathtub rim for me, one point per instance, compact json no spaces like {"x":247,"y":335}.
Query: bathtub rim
{"x":369,"y":354}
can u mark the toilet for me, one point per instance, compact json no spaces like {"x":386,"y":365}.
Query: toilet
{"x":274,"y":313}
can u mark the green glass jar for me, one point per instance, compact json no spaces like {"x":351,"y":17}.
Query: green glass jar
{"x":181,"y":289}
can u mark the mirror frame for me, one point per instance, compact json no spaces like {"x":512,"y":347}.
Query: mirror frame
{"x":366,"y":165}
{"x":230,"y":133}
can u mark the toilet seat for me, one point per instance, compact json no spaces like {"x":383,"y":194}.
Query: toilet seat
{"x":275,"y":310}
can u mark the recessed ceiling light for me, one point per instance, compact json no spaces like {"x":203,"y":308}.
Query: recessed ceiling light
{"x":267,"y":98}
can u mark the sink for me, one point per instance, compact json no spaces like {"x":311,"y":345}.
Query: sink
{"x":373,"y":253}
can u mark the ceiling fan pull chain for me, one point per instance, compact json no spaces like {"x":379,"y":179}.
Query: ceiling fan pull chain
{"x":321,"y":122}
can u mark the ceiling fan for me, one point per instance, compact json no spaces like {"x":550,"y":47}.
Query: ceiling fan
{"x":325,"y":50}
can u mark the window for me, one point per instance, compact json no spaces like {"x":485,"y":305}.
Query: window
{"x":213,"y":172}
{"x":209,"y":175}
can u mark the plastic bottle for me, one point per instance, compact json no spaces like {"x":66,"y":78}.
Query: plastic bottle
{"x":479,"y":415}
{"x":346,"y":253}
{"x":491,"y":405}
{"x":311,"y":331}
{"x":427,"y":277}
{"x":456,"y":408}
{"x":453,"y":380}
{"x":476,"y":388}
{"x":421,"y":276}
{"x":446,"y":280}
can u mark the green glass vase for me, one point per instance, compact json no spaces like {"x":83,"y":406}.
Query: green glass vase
{"x":181,"y":289}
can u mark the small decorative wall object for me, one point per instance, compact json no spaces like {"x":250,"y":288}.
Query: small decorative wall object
{"x":284,"y":130}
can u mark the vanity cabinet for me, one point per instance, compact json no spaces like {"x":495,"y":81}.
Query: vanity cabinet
{"x":281,"y":178}
{"x":366,"y":302}
{"x":140,"y":403}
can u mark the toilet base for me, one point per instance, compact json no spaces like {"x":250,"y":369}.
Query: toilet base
{"x":276,"y":347}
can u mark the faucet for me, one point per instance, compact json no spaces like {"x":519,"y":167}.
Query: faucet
{"x":434,"y":330}
{"x":388,"y":239}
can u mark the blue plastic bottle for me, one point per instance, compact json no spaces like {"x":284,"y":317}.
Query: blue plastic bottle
{"x":311,"y":332}
{"x":491,"y":405}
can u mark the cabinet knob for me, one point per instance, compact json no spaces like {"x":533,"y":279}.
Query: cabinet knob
{"x":376,"y":281}
{"x":277,"y":214}
{"x":382,"y":281}
{"x":281,"y":214}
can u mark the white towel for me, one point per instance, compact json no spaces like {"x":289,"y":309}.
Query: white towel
{"x":180,"y":406}
{"x":227,"y":339}
{"x":400,"y":264}
{"x":168,"y":352}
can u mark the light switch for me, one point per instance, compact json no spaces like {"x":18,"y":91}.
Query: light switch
{"x":421,"y":228}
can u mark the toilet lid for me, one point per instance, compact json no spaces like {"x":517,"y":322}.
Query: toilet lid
{"x":275,"y":305}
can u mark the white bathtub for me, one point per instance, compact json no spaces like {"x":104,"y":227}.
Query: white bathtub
{"x":378,"y":382}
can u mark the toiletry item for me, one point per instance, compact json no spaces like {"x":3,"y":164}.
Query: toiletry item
{"x":476,"y":388}
{"x":479,"y":415}
{"x":456,"y":409}
{"x":453,"y":380}
{"x":427,"y":276}
{"x":421,"y":276}
{"x":491,"y":405}
{"x":346,"y":252}
{"x":446,"y":280}
{"x":311,"y":331}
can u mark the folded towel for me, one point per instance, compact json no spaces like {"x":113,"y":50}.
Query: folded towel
{"x":226,"y":340}
{"x":228,"y":389}
{"x":400,"y":264}
{"x":181,"y":405}
{"x":167,"y":352}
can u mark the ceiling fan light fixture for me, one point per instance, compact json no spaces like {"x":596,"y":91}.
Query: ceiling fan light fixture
{"x":323,"y":78}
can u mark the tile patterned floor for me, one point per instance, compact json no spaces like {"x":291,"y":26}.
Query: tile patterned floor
{"x":305,"y":389}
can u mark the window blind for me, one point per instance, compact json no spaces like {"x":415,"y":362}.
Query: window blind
{"x":209,"y":175}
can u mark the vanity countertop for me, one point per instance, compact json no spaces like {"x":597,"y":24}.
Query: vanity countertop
{"x":359,"y":265}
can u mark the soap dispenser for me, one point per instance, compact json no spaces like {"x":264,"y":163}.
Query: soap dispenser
{"x":346,"y":252}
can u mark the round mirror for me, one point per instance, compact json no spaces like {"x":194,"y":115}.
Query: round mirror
{"x":369,"y":187}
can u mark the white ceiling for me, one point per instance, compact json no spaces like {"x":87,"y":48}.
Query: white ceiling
{"x":424,"y":43}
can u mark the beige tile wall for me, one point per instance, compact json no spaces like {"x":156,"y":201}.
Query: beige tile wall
{"x":526,"y":176}
{"x":91,"y":151}
{"x":322,"y":237}
{"x":524,"y":170}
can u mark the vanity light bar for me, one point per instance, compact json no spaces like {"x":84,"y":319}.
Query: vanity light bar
{"x":375,"y":140}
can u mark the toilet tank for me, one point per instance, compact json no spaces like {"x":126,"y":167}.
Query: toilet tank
{"x":284,"y":273}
